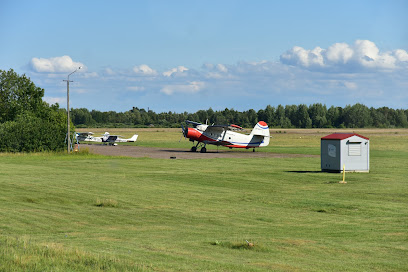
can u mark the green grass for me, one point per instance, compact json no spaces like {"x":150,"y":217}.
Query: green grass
{"x":92,"y":213}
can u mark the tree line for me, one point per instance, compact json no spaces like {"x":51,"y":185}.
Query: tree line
{"x":290,"y":116}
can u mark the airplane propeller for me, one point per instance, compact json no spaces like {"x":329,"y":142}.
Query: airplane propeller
{"x":184,"y":131}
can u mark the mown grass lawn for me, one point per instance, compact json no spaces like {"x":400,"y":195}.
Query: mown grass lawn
{"x":90,"y":213}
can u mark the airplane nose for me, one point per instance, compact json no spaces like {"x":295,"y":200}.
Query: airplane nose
{"x":193,"y":134}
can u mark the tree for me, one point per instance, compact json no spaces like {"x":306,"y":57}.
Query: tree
{"x":334,"y":116}
{"x":270,"y":115}
{"x":27,"y":123}
{"x":281,"y":119}
{"x":401,"y":119}
{"x":379,"y":119}
{"x":303,"y":118}
{"x":317,"y":113}
{"x":357,"y":116}
{"x":18,"y":94}
{"x":252,"y":117}
{"x":291,"y":114}
{"x":81,"y":116}
{"x":202,"y":115}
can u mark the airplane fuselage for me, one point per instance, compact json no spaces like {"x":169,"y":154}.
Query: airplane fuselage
{"x":225,"y":138}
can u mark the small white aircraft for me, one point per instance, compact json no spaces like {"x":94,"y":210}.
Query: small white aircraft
{"x":87,"y":137}
{"x":114,"y":139}
{"x":225,"y":135}
{"x":105,"y":138}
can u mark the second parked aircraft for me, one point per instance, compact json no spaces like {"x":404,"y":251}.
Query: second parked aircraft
{"x":226,"y":135}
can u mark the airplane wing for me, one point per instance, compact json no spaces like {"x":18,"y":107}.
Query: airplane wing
{"x":225,"y":127}
{"x":87,"y":136}
{"x":84,"y":134}
{"x":216,"y":128}
{"x":119,"y":139}
{"x":235,"y":127}
{"x":112,"y":138}
{"x":193,"y":123}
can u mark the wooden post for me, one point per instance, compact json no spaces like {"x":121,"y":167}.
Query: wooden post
{"x":344,"y":174}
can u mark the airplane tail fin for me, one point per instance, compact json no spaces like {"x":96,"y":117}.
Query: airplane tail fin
{"x":261,"y":129}
{"x":105,"y":137}
{"x":134,"y":138}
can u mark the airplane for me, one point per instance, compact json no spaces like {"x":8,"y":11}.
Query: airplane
{"x":105,"y":138}
{"x":87,"y":137}
{"x":225,"y":135}
{"x":114,"y":139}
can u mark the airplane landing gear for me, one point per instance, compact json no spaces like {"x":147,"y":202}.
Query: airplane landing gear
{"x":202,"y":150}
{"x":194,"y":148}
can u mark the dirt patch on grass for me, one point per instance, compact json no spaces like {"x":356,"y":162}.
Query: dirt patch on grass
{"x":163,"y":153}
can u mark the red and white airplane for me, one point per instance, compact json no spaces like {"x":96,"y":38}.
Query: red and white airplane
{"x":225,"y":135}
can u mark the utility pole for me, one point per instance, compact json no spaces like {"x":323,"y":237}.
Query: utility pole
{"x":68,"y":121}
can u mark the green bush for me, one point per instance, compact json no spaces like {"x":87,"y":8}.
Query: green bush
{"x":30,"y":133}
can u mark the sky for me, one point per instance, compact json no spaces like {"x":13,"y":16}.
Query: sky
{"x":185,"y":55}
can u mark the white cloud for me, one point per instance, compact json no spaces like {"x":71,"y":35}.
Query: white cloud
{"x":300,"y":56}
{"x":401,"y":55}
{"x":53,"y":100}
{"x":222,"y":68}
{"x":136,"y":88}
{"x":368,"y":55}
{"x":191,"y":88}
{"x":216,"y":71}
{"x":366,"y":49}
{"x":339,"y":53}
{"x":108,"y":71}
{"x":363,"y":54}
{"x":144,"y":70}
{"x":177,"y":71}
{"x":78,"y":90}
{"x":90,"y":75}
{"x":350,"y":85}
{"x":62,"y":64}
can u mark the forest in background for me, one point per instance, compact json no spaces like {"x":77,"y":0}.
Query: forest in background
{"x":290,"y":116}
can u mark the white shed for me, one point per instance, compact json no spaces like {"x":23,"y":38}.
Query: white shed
{"x":349,"y":149}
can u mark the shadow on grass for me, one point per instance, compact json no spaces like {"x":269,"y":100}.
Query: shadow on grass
{"x":314,"y":172}
{"x":304,"y":172}
{"x":188,"y":151}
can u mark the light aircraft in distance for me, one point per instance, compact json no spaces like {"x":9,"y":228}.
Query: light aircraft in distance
{"x":87,"y":137}
{"x":226,"y":135}
{"x":114,"y":139}
{"x":105,"y":138}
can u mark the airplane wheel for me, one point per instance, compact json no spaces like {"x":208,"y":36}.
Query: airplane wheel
{"x":203,"y":150}
{"x":194,"y":149}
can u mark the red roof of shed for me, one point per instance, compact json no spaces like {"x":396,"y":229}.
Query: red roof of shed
{"x":342,"y":136}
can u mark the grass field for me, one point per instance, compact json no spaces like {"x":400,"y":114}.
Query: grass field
{"x":87,"y":212}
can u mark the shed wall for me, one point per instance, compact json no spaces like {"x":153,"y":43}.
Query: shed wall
{"x":330,"y":155}
{"x":355,"y":154}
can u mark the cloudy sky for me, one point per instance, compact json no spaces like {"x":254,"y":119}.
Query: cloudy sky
{"x":190,"y":55}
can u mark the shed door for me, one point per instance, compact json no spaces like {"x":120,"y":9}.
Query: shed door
{"x":354,"y":149}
